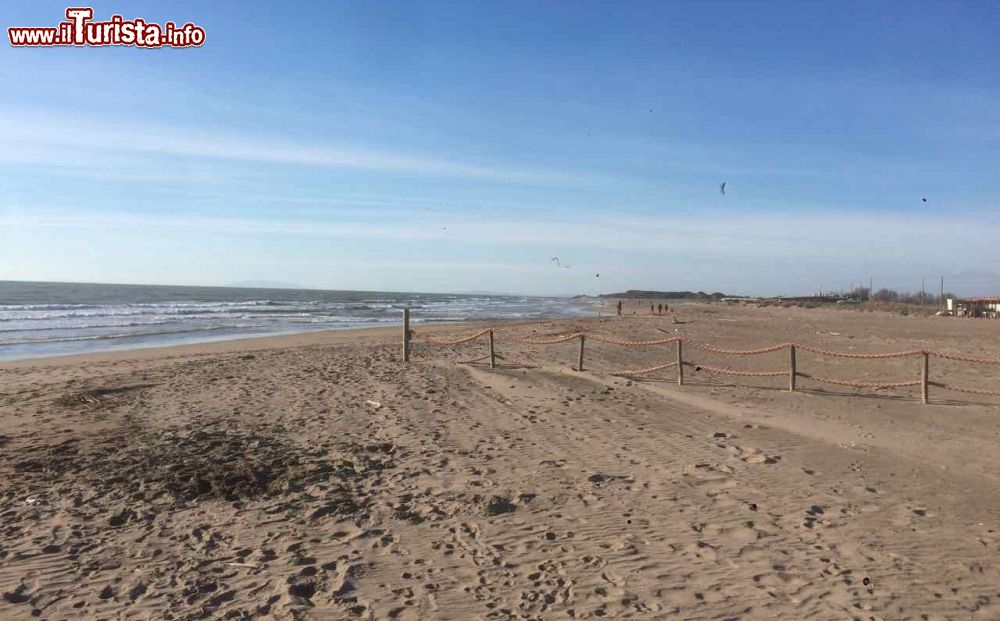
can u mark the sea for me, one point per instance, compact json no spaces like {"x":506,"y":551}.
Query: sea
{"x":50,"y":319}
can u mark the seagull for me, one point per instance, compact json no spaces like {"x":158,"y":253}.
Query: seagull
{"x":556,"y":259}
{"x":722,"y":188}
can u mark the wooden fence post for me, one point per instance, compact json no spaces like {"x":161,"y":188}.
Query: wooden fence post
{"x":924,"y":380}
{"x":406,"y":335}
{"x":791,"y":367}
{"x":680,"y":362}
{"x":493,"y":355}
{"x":583,"y":339}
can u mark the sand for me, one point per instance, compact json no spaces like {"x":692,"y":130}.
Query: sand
{"x":317,"y":477}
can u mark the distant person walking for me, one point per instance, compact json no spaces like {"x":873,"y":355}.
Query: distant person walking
{"x":659,"y":309}
{"x":619,"y":308}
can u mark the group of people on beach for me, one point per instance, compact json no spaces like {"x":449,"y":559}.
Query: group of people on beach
{"x":654,"y":309}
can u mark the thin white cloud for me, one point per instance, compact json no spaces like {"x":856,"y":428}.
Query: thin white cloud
{"x":34,"y":138}
{"x":737,"y":254}
{"x":852,"y":237}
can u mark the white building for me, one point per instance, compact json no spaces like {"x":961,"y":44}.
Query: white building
{"x":974,"y":307}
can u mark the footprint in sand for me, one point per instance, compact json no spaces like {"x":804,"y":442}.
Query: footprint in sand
{"x":812,"y":515}
{"x":752,"y":455}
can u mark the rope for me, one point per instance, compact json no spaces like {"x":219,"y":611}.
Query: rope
{"x":511,"y":362}
{"x":705,"y":346}
{"x":646,"y":370}
{"x":611,"y":341}
{"x":837,"y":354}
{"x":454,"y":342}
{"x":474,"y":360}
{"x":732,"y":352}
{"x":875,"y":385}
{"x":711,"y":369}
{"x":971,"y":391}
{"x":963,"y":358}
{"x":516,"y":362}
{"x":738,"y":352}
{"x":552,"y":341}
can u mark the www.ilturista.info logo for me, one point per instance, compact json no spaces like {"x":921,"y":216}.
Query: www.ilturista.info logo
{"x":80,"y":30}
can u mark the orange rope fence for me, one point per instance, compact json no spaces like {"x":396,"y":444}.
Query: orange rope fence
{"x":971,"y":391}
{"x":612,"y":341}
{"x":645,"y":371}
{"x":738,"y":352}
{"x":445,"y":343}
{"x":791,"y":373}
{"x":938,"y":354}
{"x":723,"y":371}
{"x":559,"y":339}
{"x":875,"y":385}
{"x":841,"y":354}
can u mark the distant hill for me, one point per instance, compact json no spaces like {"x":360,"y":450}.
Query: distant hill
{"x":264,"y":284}
{"x":668,"y":295}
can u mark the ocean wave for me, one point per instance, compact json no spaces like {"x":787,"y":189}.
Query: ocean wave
{"x":138,"y":312}
{"x":95,"y":324}
{"x":89,"y":326}
{"x":128,"y":335}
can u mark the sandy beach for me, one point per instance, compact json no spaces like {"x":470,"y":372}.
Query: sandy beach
{"x":317,"y":476}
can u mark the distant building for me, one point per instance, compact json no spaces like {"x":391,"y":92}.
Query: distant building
{"x":974,"y":307}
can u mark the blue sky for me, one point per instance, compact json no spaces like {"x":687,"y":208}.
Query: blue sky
{"x":455,"y":146}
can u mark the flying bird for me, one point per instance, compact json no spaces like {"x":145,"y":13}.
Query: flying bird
{"x":924,"y":200}
{"x":722,"y":188}
{"x":556,"y":259}
{"x":597,"y":275}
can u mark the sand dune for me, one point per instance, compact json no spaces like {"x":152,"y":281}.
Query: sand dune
{"x":257,"y":479}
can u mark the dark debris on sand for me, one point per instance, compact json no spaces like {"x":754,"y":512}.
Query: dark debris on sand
{"x":101,"y":398}
{"x":201,"y":462}
{"x":498,"y":505}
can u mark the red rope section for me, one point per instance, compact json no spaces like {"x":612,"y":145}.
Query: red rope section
{"x":875,"y":385}
{"x":837,"y":354}
{"x":611,"y":341}
{"x":738,"y":352}
{"x":971,"y":391}
{"x":454,"y":342}
{"x":646,"y":370}
{"x":938,"y":354}
{"x":552,"y":341}
{"x":723,"y":371}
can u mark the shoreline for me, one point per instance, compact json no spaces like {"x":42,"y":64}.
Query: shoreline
{"x":341,"y":336}
{"x":221,"y":346}
{"x":46,"y":320}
